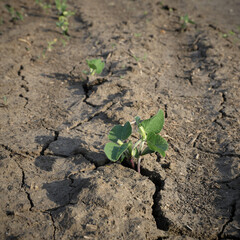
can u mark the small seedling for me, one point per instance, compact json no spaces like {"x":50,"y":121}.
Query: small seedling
{"x":114,"y":45}
{"x":137,"y":34}
{"x":225,"y":35}
{"x":186,"y":20}
{"x":43,"y":53}
{"x":137,"y":59}
{"x":63,"y":22}
{"x":120,"y":148}
{"x":14,"y":14}
{"x":95,"y":66}
{"x":4,"y":104}
{"x":230,"y":33}
{"x":5,"y":100}
{"x":64,"y":41}
{"x":61,"y":6}
{"x":43,"y":4}
{"x":64,"y":15}
{"x":145,"y":57}
{"x":50,"y":44}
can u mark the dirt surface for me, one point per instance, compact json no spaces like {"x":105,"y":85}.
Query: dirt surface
{"x":55,"y":180}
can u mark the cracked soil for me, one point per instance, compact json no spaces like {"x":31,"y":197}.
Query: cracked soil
{"x":55,"y":181}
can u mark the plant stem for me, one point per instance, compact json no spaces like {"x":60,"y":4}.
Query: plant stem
{"x":132,"y":162}
{"x":142,"y":146}
{"x":138,"y":164}
{"x":137,"y":143}
{"x":119,"y":142}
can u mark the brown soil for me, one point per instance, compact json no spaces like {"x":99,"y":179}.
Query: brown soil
{"x":56,"y":182}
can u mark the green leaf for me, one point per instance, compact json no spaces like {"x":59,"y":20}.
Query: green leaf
{"x":191,"y":21}
{"x":135,"y":153}
{"x":137,"y":119}
{"x":157,"y":143}
{"x":154,"y":124}
{"x":147,"y":150}
{"x":119,"y":132}
{"x":113,"y":151}
{"x":96,"y":64}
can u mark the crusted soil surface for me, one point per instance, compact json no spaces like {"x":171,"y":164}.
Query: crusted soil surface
{"x":55,"y":181}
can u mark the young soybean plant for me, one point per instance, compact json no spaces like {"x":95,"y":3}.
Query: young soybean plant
{"x":120,"y":148}
{"x":186,"y":20}
{"x":95,"y":66}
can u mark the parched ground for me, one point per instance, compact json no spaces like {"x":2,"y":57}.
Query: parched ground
{"x":55,"y":181}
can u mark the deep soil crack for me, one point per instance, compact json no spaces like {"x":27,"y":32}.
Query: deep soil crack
{"x":54,"y":226}
{"x":24,"y":186}
{"x":23,"y":85}
{"x":161,"y":221}
{"x":20,"y":70}
{"x":88,"y":86}
{"x":232,"y":214}
{"x":45,"y":147}
{"x":26,"y":98}
{"x":30,"y":200}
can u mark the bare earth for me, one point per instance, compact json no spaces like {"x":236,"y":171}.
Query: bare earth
{"x":55,"y":181}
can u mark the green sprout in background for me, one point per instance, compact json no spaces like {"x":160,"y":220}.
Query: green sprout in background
{"x":43,"y":4}
{"x":137,"y":34}
{"x":230,"y":33}
{"x":95,"y":66}
{"x":14,"y":14}
{"x":51,"y":43}
{"x":4,"y":104}
{"x":186,"y":20}
{"x":63,"y":22}
{"x":64,"y":15}
{"x":120,"y":148}
{"x":5,"y":100}
{"x":61,"y":6}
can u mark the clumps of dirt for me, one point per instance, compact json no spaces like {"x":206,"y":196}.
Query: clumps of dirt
{"x":56,"y":182}
{"x":118,"y":205}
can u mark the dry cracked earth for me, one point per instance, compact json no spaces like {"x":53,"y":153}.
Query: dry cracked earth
{"x":55,"y":181}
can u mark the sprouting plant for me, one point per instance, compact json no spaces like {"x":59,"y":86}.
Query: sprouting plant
{"x":43,"y":4}
{"x":61,"y":6}
{"x":4,"y":104}
{"x":95,"y":66}
{"x":64,"y":41}
{"x":186,"y":20}
{"x":225,"y":35}
{"x":230,"y":33}
{"x":5,"y":100}
{"x":64,"y":15}
{"x":120,"y":148}
{"x":50,"y":44}
{"x":145,"y":57}
{"x":14,"y":14}
{"x":63,"y":22}
{"x":113,"y":45}
{"x":136,"y":58}
{"x":137,"y":34}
